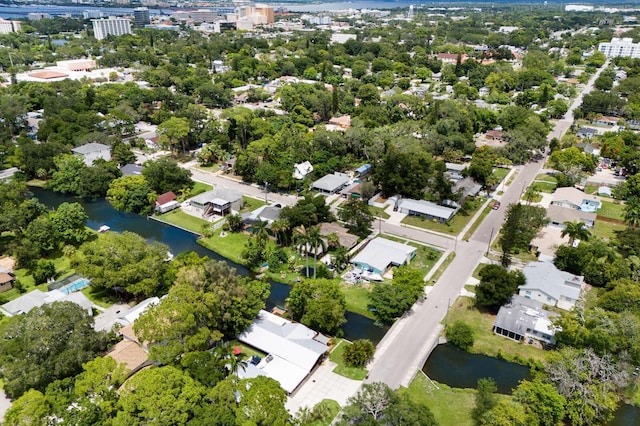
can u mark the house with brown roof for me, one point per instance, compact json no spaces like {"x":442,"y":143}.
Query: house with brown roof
{"x":6,"y":281}
{"x":166,"y":202}
{"x":343,"y":122}
{"x":494,"y":135}
{"x":452,"y":58}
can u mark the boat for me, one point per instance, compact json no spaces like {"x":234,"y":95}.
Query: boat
{"x":103,"y":229}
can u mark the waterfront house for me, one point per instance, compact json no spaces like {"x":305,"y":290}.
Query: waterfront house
{"x":381,"y":254}
{"x":93,"y":151}
{"x":523,"y":318}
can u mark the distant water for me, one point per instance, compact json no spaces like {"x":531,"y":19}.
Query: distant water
{"x":21,"y":11}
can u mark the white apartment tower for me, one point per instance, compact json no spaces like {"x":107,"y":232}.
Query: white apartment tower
{"x":620,"y":47}
{"x":111,"y":26}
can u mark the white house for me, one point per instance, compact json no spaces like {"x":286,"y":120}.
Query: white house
{"x":573,"y":198}
{"x":219,"y":201}
{"x":426,"y":209}
{"x":551,"y":286}
{"x":523,"y":318}
{"x":37,"y":298}
{"x":301,"y":170}
{"x":292,"y":349}
{"x":559,"y":215}
{"x":92,"y":151}
{"x":380,"y":254}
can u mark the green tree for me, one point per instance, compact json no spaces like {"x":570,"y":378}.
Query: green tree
{"x":542,"y":402}
{"x":122,"y":154}
{"x":94,"y":181}
{"x":206,"y":303}
{"x":66,"y":178}
{"x":497,"y":285}
{"x":319,"y":304}
{"x":131,"y":194}
{"x":48,"y":343}
{"x":235,"y":222}
{"x":70,"y":223}
{"x":44,"y":270}
{"x":100,"y":381}
{"x":506,"y":413}
{"x":174,"y":131}
{"x":358,"y":353}
{"x":632,"y":211}
{"x":521,"y":225}
{"x":357,"y":214}
{"x":575,"y":230}
{"x":160,"y":395}
{"x":460,"y":335}
{"x":302,"y":241}
{"x":31,"y":409}
{"x":486,"y":399}
{"x":123,"y":263}
{"x":166,"y":175}
{"x":317,"y":244}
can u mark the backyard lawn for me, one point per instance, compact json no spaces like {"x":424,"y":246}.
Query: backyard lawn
{"x":355,"y":373}
{"x":184,"y":220}
{"x":357,"y":297}
{"x":439,"y":399}
{"x":229,"y":246}
{"x":486,"y":342}
{"x":63,"y":269}
{"x":606,"y":230}
{"x":545,"y":183}
{"x":455,"y":225}
{"x":250,"y":204}
{"x":612,"y":210}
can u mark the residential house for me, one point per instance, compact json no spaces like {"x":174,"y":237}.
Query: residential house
{"x":466,"y":187}
{"x":455,"y":170}
{"x":6,"y":281}
{"x":267,"y":214}
{"x":7,"y":174}
{"x":166,"y":202}
{"x":452,"y":58}
{"x":426,"y":209}
{"x":342,"y":122}
{"x":37,"y":298}
{"x":219,"y":201}
{"x":559,"y":215}
{"x":93,"y":151}
{"x":131,"y":170}
{"x":551,"y":286}
{"x":606,"y":121}
{"x":586,"y":133}
{"x":301,"y":170}
{"x":573,"y":198}
{"x":330,"y":184}
{"x":293,"y":350}
{"x":381,"y":254}
{"x":494,"y":135}
{"x":523,"y":318}
{"x":346,"y":239}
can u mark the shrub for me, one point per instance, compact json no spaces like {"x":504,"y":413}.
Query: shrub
{"x":358,"y":353}
{"x":460,"y":335}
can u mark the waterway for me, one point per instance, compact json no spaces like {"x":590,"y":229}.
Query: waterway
{"x":100,"y":213}
{"x":461,"y":369}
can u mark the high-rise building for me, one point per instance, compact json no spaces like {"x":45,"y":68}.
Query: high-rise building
{"x":141,"y":17}
{"x":620,"y":47}
{"x":7,"y":27}
{"x":203,"y":15}
{"x":266,"y":11}
{"x":110,"y":26}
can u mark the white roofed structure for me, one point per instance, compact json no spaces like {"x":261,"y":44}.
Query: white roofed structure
{"x":380,"y":254}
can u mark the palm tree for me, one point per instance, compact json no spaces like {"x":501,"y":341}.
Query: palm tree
{"x":632,"y":212}
{"x":279,"y":228}
{"x":315,"y":241}
{"x":301,"y":237}
{"x":340,"y":258}
{"x":261,"y":230}
{"x":576,"y":230}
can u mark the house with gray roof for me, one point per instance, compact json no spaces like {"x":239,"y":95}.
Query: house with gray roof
{"x":131,"y":170}
{"x":93,"y":151}
{"x":330,"y":184}
{"x":263,"y":213}
{"x":292,"y":349}
{"x":523,"y":318}
{"x":559,"y":215}
{"x":573,"y":198}
{"x":37,"y":298}
{"x":586,"y":133}
{"x":380,"y":254}
{"x":219,"y":201}
{"x":426,"y":209}
{"x":551,"y":286}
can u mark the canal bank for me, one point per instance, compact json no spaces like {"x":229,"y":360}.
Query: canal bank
{"x":100,"y":212}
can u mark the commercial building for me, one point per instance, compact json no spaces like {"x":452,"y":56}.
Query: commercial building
{"x":7,"y":27}
{"x":618,"y":47}
{"x":141,"y":17}
{"x":111,"y":26}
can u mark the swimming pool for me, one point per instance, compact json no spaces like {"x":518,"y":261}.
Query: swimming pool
{"x":75,"y":285}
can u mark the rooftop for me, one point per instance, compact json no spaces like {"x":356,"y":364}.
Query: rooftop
{"x":331,"y":183}
{"x":90,"y":147}
{"x":427,"y":208}
{"x":380,"y":253}
{"x":544,"y":276}
{"x":221,"y":195}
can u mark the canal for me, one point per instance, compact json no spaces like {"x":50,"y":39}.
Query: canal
{"x":461,"y":369}
{"x":100,"y":213}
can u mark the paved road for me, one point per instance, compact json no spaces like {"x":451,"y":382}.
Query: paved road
{"x":406,"y":346}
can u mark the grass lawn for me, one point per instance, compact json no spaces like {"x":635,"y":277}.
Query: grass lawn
{"x":499,"y":174}
{"x":342,"y":369}
{"x":378,"y":212}
{"x":612,"y":210}
{"x":486,"y":342}
{"x":199,"y":188}
{"x":512,"y":177}
{"x":184,"y":220}
{"x":229,"y":246}
{"x":455,"y":225}
{"x":357,"y":297}
{"x":450,"y":406}
{"x":476,"y":272}
{"x":591,"y":189}
{"x":425,"y":256}
{"x":247,"y":351}
{"x":606,"y":230}
{"x":250,"y":204}
{"x":443,"y":267}
{"x":545,"y":183}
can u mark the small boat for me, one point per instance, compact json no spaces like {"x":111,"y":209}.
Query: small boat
{"x":103,"y":228}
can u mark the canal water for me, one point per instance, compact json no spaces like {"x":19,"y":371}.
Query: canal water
{"x":100,"y":213}
{"x":461,"y":369}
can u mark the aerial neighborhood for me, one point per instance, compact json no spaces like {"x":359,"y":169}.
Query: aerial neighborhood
{"x":256,"y":214}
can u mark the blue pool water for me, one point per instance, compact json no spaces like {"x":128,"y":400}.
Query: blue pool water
{"x":75,"y":286}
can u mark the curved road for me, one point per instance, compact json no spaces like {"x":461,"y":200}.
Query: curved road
{"x":407,"y":345}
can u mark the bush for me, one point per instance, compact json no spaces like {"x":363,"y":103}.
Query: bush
{"x":358,"y":353}
{"x":460,"y":335}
